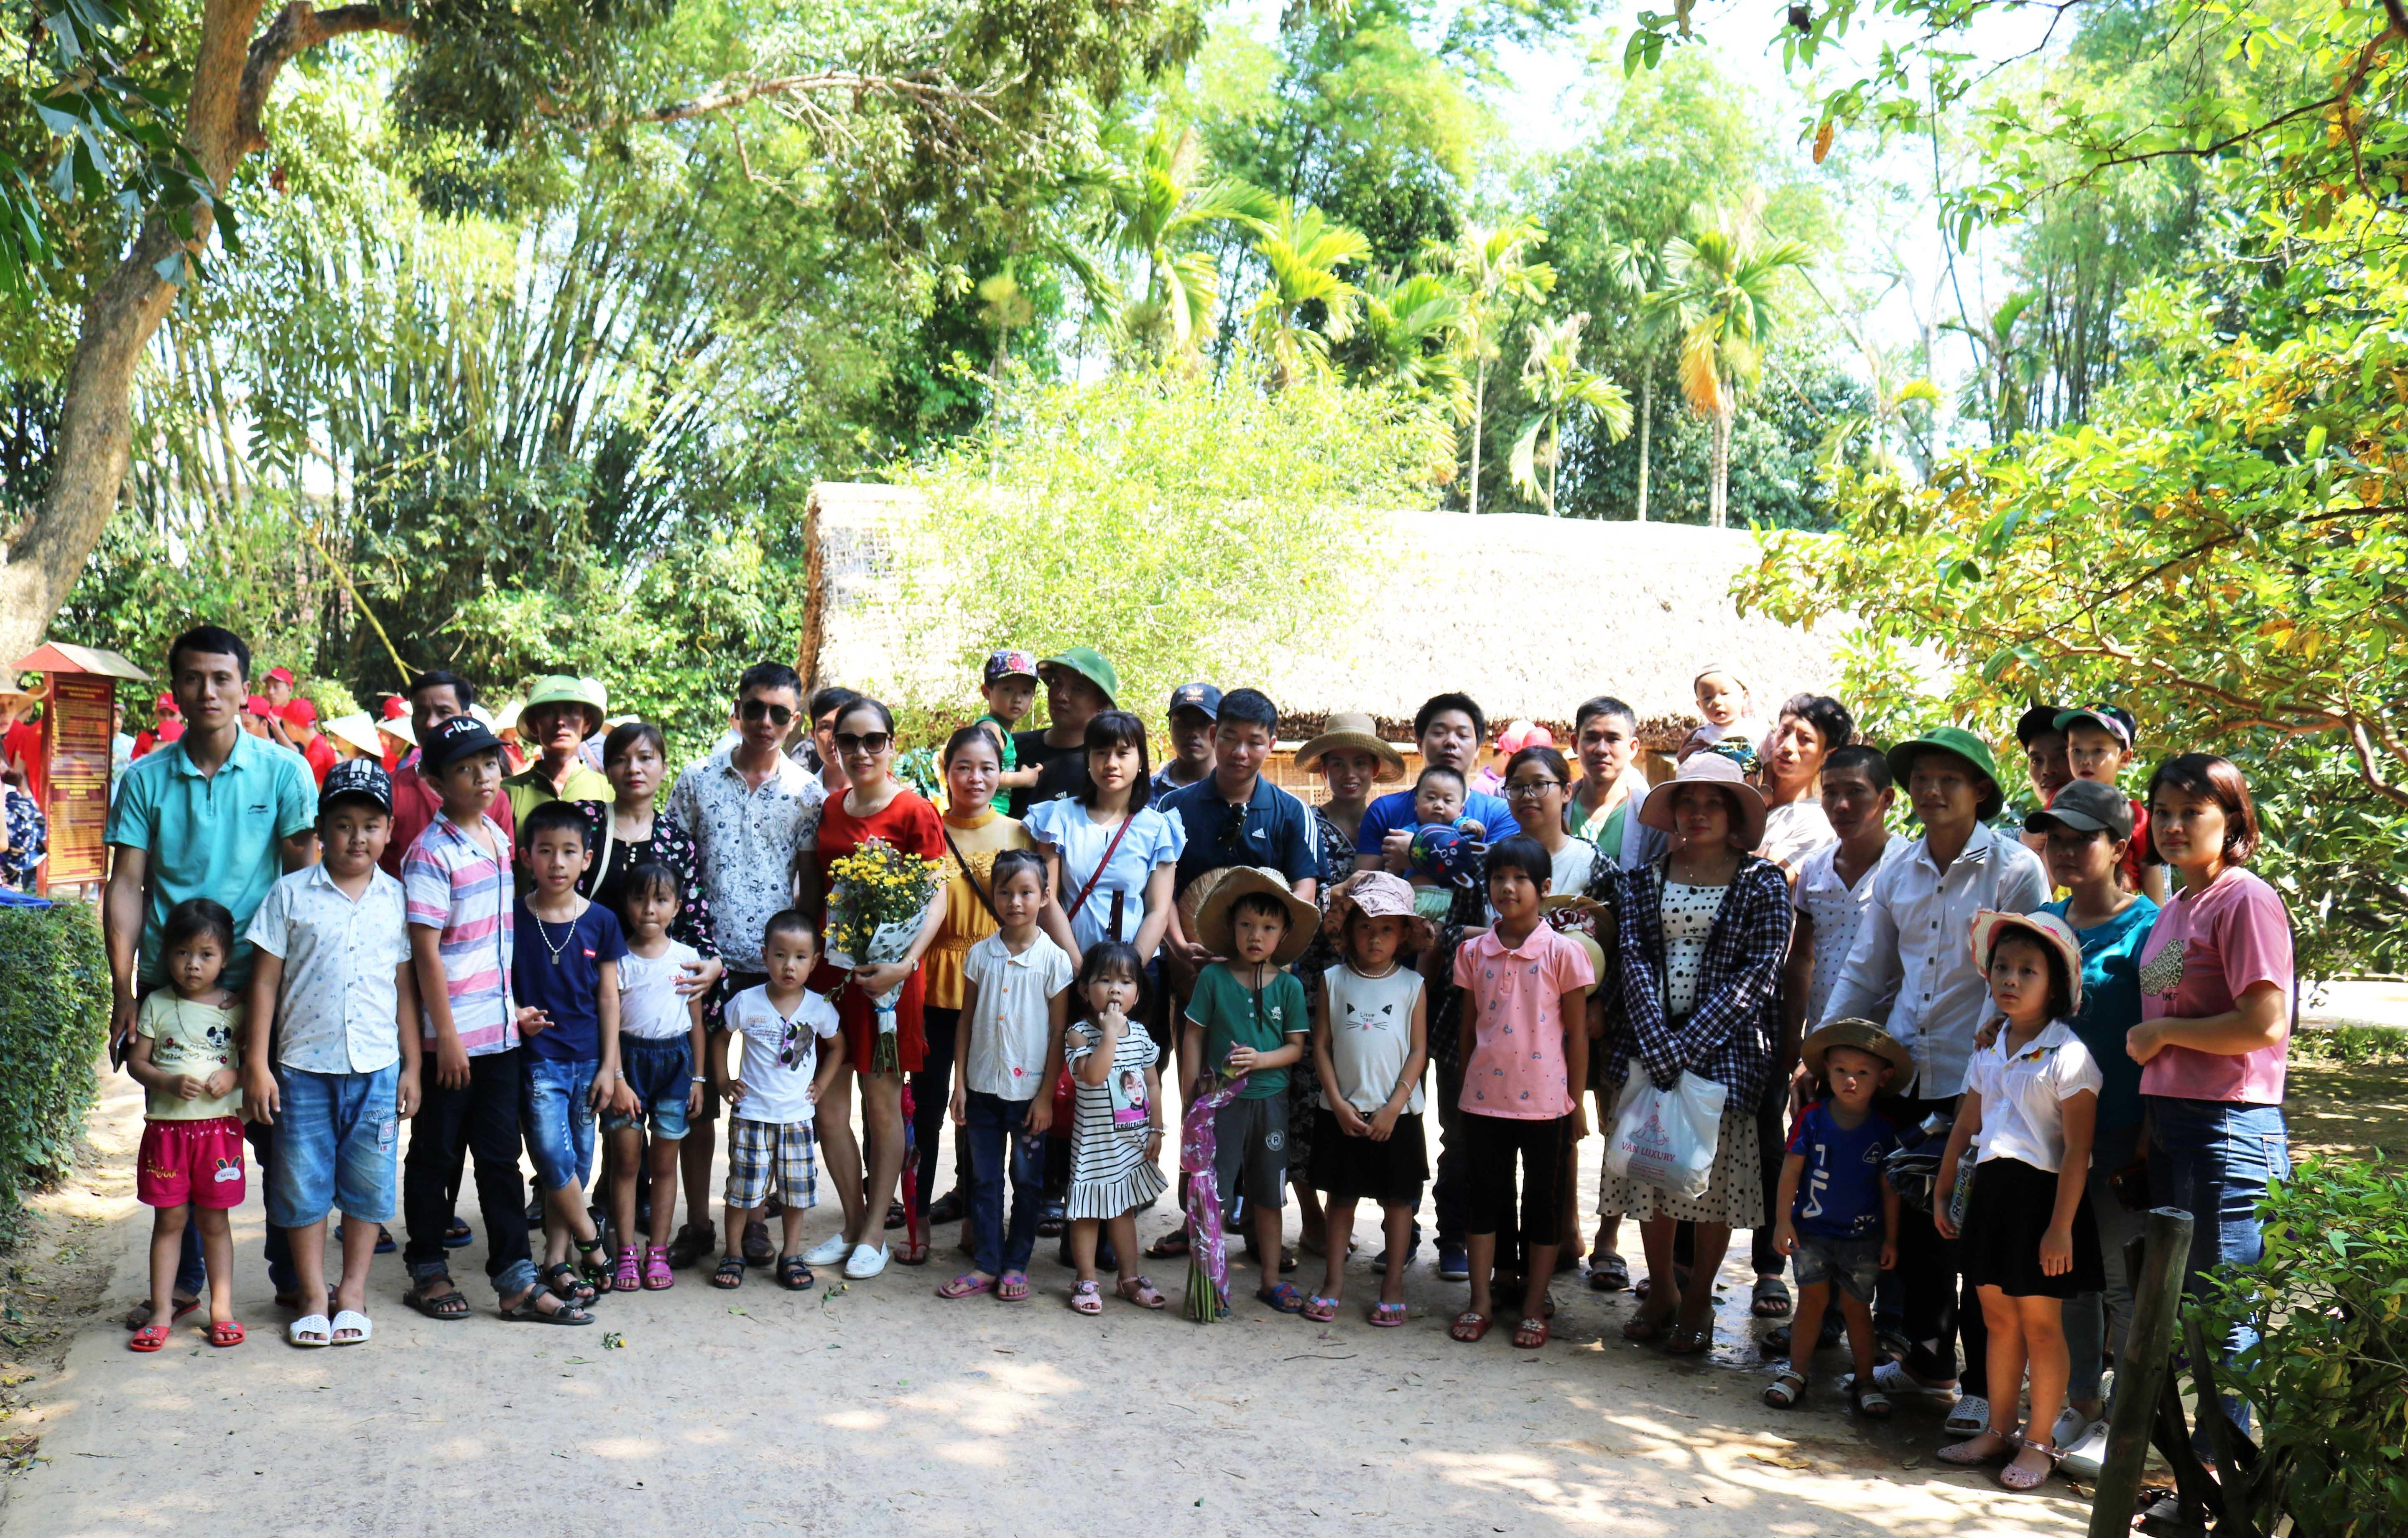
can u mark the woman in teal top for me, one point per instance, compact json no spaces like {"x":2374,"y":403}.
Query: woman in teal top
{"x":2088,"y":827}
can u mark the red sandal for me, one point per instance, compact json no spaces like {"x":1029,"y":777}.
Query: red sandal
{"x":1470,"y":1328}
{"x":151,"y":1337}
{"x":226,"y":1332}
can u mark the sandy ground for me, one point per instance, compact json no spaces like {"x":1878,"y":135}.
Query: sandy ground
{"x":880,"y":1408}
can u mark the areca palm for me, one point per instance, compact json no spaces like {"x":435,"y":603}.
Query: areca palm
{"x":1498,"y":274}
{"x":1721,"y":290}
{"x":1304,"y":252}
{"x":1159,"y":210}
{"x":1561,"y":392}
{"x":1633,"y":270}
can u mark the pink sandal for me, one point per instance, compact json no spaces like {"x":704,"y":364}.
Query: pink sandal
{"x":1320,"y":1310}
{"x":627,"y":1276}
{"x":658,"y":1278}
{"x":1013,"y":1287}
{"x":969,"y":1284}
{"x":1086,"y":1298}
{"x":1140,"y":1290}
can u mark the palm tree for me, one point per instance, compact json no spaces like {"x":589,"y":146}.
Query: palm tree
{"x":1562,"y":392}
{"x":1633,"y":271}
{"x":1497,"y":275}
{"x":1304,"y":251}
{"x":1407,"y":339}
{"x":1159,"y":210}
{"x":1720,"y":289}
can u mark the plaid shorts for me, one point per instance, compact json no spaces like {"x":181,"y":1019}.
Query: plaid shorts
{"x":771,"y":1158}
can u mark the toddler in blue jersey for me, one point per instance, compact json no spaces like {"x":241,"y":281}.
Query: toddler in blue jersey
{"x":1839,"y":1217}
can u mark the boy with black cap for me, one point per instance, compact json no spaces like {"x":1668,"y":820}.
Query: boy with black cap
{"x":1194,"y":713}
{"x":331,"y":974}
{"x":2099,"y":743}
{"x":1911,"y":972}
{"x":457,"y":881}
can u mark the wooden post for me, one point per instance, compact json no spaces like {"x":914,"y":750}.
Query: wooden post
{"x":2141,"y":1371}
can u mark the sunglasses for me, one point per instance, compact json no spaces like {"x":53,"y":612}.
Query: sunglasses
{"x":755,"y":709}
{"x":863,"y":742}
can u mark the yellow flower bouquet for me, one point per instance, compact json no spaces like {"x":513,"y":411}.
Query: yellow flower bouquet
{"x":878,"y":896}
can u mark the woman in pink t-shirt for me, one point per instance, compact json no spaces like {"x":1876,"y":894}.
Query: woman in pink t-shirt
{"x":2216,"y":1022}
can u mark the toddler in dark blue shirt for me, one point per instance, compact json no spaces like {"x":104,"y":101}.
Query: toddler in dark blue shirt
{"x":1839,"y":1217}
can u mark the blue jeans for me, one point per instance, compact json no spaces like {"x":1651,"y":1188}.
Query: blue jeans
{"x":193,"y":1272}
{"x":2215,"y":1160}
{"x":994,"y":1129}
{"x":335,"y":1140}
{"x":559,"y":1122}
{"x":2095,"y":1322}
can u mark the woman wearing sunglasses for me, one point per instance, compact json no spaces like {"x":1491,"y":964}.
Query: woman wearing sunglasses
{"x":872,"y":807}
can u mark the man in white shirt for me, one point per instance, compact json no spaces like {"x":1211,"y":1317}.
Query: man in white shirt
{"x":748,"y":809}
{"x":1912,"y":971}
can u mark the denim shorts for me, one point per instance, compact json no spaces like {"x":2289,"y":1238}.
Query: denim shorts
{"x":1852,"y":1266}
{"x":337,"y":1136}
{"x":559,"y":1122}
{"x":659,"y":1073}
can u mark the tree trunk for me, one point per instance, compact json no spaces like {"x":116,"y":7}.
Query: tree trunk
{"x":1718,"y":510}
{"x":1555,"y":463}
{"x":231,"y":78}
{"x":1646,"y":428}
{"x":1479,"y":405}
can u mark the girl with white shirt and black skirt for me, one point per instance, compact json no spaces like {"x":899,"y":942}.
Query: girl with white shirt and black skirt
{"x":2029,"y":1240}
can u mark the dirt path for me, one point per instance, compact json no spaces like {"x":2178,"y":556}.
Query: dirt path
{"x":882,"y":1408}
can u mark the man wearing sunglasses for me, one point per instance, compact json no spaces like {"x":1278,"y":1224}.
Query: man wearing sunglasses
{"x":749,"y":808}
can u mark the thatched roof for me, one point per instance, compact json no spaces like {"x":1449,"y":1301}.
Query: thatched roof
{"x":1529,"y":614}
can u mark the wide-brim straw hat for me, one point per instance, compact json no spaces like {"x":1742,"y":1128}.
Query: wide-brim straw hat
{"x":2047,"y":928}
{"x":1354,"y":730}
{"x":1215,"y":933}
{"x":1376,"y":894}
{"x":1864,"y":1036}
{"x":1747,"y":801}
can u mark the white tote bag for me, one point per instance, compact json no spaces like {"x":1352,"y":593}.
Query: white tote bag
{"x":1666,"y":1138}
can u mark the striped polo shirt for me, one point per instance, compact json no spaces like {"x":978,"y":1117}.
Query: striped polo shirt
{"x":454,"y":884}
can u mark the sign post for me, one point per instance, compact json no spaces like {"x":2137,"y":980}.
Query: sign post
{"x":78,"y":722}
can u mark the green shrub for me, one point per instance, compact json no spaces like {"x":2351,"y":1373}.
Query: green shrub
{"x":2329,"y":1381}
{"x":53,"y":1019}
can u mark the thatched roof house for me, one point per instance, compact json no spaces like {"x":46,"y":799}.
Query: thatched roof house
{"x":1529,"y":614}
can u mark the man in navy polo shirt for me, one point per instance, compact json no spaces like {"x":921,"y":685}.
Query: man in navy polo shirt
{"x":1450,"y":728}
{"x":1235,"y":816}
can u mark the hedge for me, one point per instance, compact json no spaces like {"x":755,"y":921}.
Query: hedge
{"x":54,"y":998}
{"x":2329,"y":1381}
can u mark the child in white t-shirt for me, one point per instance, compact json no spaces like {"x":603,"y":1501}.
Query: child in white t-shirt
{"x":2029,"y":1241}
{"x":660,"y":1042}
{"x":1015,"y":1001}
{"x":1727,"y":709}
{"x":1370,"y":1043}
{"x":774,"y":1097}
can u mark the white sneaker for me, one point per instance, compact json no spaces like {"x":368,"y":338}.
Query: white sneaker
{"x":1970,"y":1417}
{"x":2085,"y":1457}
{"x":828,"y":1251}
{"x":866,"y":1262}
{"x":2072,"y":1427}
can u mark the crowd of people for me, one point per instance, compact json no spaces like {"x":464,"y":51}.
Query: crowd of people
{"x":1943,"y":1069}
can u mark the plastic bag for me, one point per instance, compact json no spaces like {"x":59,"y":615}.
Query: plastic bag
{"x":1667,"y":1138}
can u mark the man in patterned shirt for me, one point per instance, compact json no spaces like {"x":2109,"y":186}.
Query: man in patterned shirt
{"x":750,"y":809}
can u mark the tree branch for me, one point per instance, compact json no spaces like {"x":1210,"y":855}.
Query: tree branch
{"x":297,"y":27}
{"x":925,"y":87}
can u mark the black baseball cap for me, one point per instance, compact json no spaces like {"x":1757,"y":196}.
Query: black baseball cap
{"x":2114,"y":720}
{"x":1197,"y":696}
{"x":2039,"y":721}
{"x":453,"y":739}
{"x":357,"y":779}
{"x":2085,"y":807}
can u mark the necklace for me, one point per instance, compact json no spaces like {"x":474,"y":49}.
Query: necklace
{"x":544,"y":932}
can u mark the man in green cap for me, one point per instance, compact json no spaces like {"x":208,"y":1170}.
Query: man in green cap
{"x":1912,"y":971}
{"x":555,"y":722}
{"x":1080,"y":685}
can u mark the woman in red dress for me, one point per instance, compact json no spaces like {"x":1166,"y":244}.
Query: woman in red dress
{"x":873,"y":806}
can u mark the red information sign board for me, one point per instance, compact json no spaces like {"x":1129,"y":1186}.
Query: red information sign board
{"x":77,"y":736}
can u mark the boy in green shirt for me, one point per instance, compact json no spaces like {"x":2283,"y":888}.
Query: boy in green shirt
{"x":1247,"y":1016}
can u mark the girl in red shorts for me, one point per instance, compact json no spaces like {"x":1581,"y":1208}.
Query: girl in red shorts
{"x":184,"y":1056}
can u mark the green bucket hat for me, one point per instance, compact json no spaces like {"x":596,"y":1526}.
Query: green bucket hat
{"x":1088,"y":664}
{"x":560,"y":689}
{"x":1966,"y":746}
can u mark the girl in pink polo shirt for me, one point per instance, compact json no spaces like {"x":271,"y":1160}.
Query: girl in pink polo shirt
{"x":1525,"y":1046}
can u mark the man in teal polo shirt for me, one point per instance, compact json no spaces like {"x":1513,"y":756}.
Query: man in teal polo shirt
{"x":219,"y":814}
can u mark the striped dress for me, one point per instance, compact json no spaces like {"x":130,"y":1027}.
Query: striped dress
{"x":1109,"y":1173}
